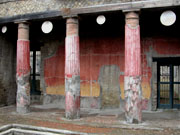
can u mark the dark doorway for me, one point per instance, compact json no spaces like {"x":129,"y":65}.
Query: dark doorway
{"x":35,"y":59}
{"x":168,"y":82}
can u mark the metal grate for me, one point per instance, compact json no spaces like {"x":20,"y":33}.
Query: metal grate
{"x":169,"y":86}
{"x":176,"y":85}
{"x":164,"y":84}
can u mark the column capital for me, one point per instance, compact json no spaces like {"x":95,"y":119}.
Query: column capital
{"x":70,"y":16}
{"x":72,"y":26}
{"x":23,"y":30}
{"x":72,"y":20}
{"x":23,"y":26}
{"x":132,"y":18}
{"x":21,"y":21}
{"x":131,"y":10}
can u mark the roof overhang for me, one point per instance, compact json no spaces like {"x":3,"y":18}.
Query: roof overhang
{"x":92,"y":9}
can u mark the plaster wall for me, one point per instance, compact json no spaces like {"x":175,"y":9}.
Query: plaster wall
{"x":102,"y":69}
{"x":7,"y":72}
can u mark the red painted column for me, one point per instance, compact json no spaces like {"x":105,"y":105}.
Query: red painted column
{"x":132,"y":79}
{"x":23,"y":69}
{"x":72,"y":69}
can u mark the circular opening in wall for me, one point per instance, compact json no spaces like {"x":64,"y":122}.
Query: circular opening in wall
{"x":101,"y":19}
{"x":47,"y":27}
{"x":168,"y":18}
{"x":4,"y":29}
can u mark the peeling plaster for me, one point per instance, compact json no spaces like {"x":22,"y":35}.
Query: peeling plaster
{"x":133,"y":97}
{"x":23,"y":93}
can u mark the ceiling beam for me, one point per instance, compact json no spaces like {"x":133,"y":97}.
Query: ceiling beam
{"x":94,"y":9}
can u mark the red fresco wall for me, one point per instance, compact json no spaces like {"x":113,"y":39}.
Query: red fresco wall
{"x":96,"y":52}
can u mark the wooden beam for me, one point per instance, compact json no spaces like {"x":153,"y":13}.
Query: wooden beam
{"x":93,"y":9}
{"x":31,"y":16}
{"x":127,"y":6}
{"x":5,"y":1}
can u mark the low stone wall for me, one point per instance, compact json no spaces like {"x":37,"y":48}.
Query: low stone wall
{"x":17,"y":129}
{"x":58,"y":101}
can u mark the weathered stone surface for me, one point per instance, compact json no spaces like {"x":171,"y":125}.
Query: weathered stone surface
{"x":72,"y":97}
{"x":154,"y":87}
{"x":7,"y":72}
{"x":3,"y":94}
{"x":133,"y":97}
{"x":110,"y":88}
{"x":23,"y":94}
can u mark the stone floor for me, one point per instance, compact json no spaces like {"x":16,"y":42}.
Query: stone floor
{"x":105,"y":122}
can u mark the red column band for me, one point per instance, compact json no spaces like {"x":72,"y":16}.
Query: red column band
{"x":23,"y":69}
{"x":72,"y":70}
{"x":132,"y":78}
{"x":23,"y":57}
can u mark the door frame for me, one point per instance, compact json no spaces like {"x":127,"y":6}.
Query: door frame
{"x":170,"y":104}
{"x":171,"y":61}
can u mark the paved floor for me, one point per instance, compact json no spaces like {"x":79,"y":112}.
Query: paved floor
{"x":106,"y":122}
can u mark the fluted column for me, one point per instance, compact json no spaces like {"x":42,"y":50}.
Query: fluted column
{"x":23,"y":69}
{"x":72,"y":69}
{"x":132,"y":78}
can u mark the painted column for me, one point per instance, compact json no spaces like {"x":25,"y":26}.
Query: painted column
{"x":132,"y":78}
{"x":23,"y":69}
{"x":72,"y":69}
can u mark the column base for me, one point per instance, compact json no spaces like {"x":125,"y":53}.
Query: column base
{"x":72,"y":106}
{"x":73,"y":97}
{"x":22,"y":110}
{"x":133,"y":96}
{"x":71,"y":116}
{"x":23,"y":94}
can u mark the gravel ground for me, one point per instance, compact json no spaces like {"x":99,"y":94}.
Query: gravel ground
{"x":106,"y":122}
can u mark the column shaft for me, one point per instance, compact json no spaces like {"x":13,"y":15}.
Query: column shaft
{"x":23,"y":69}
{"x":132,"y":77}
{"x":72,"y":70}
